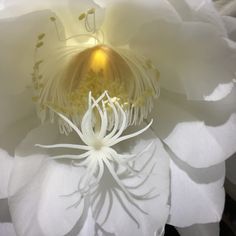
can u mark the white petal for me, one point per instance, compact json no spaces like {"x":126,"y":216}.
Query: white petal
{"x":5,"y":171}
{"x":200,"y":230}
{"x":209,"y":61}
{"x":230,"y":24}
{"x":123,"y":18}
{"x":184,"y":55}
{"x":220,"y":92}
{"x":5,"y":216}
{"x":122,"y":211}
{"x":227,"y":7}
{"x":37,"y":185}
{"x":17,"y":119}
{"x":2,"y":5}
{"x":14,"y":8}
{"x":18,"y":38}
{"x":200,"y":145}
{"x":15,"y":108}
{"x":68,"y":11}
{"x":230,"y":169}
{"x":205,"y":11}
{"x":193,"y":130}
{"x":197,"y":195}
{"x":7,"y":229}
{"x":230,"y":182}
{"x":202,"y":11}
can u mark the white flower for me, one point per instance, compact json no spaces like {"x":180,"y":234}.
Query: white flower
{"x":74,"y":47}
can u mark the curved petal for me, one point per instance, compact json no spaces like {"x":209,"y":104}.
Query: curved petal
{"x":17,"y":120}
{"x":68,"y":11}
{"x":200,"y":230}
{"x":5,"y":171}
{"x":40,"y":189}
{"x":115,"y":212}
{"x":7,"y":229}
{"x":193,"y":131}
{"x":123,"y":18}
{"x":226,"y":7}
{"x":14,"y":8}
{"x":200,"y":196}
{"x":5,"y":216}
{"x":192,"y":57}
{"x":205,"y":11}
{"x":201,"y":145}
{"x":230,"y":24}
{"x":230,"y":182}
{"x":230,"y":167}
{"x":18,"y":38}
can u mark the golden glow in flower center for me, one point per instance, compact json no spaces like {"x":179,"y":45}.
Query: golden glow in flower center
{"x":64,"y":80}
{"x":99,"y":59}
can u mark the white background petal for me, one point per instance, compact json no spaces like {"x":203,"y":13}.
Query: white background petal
{"x":7,"y":229}
{"x":200,"y":230}
{"x":197,"y":195}
{"x":5,"y":171}
{"x":200,"y":133}
{"x":192,"y":57}
{"x":17,"y":56}
{"x":123,"y":18}
{"x":37,"y":186}
{"x":121,"y":211}
{"x":5,"y":216}
{"x":231,"y":167}
{"x":203,"y":146}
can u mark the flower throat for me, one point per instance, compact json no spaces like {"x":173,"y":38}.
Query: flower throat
{"x":64,"y":80}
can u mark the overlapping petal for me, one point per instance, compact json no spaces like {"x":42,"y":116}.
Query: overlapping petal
{"x":187,"y":42}
{"x":193,"y":131}
{"x":124,"y":18}
{"x":212,"y":229}
{"x":5,"y":171}
{"x":192,"y":57}
{"x":200,"y":196}
{"x":7,"y":229}
{"x":44,"y":190}
{"x":17,"y":56}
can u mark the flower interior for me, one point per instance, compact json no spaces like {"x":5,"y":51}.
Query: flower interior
{"x":63,"y":80}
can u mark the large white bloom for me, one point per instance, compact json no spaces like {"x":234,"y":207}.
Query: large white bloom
{"x":95,"y":180}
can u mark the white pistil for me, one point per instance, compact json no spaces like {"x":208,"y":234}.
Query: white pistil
{"x":98,"y":146}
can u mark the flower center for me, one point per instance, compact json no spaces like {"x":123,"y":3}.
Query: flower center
{"x":97,"y":145}
{"x":99,"y":59}
{"x":65,"y":79}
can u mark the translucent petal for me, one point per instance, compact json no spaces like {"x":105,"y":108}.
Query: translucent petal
{"x":205,"y":11}
{"x":230,"y":182}
{"x":230,"y":167}
{"x":200,"y":196}
{"x":193,"y":130}
{"x":5,"y":171}
{"x":19,"y":54}
{"x":7,"y":229}
{"x":200,"y":230}
{"x":230,"y":24}
{"x":115,"y":212}
{"x":201,"y":145}
{"x":68,"y":11}
{"x":123,"y":18}
{"x":17,"y":120}
{"x":42,"y":190}
{"x":5,"y":216}
{"x":192,"y":57}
